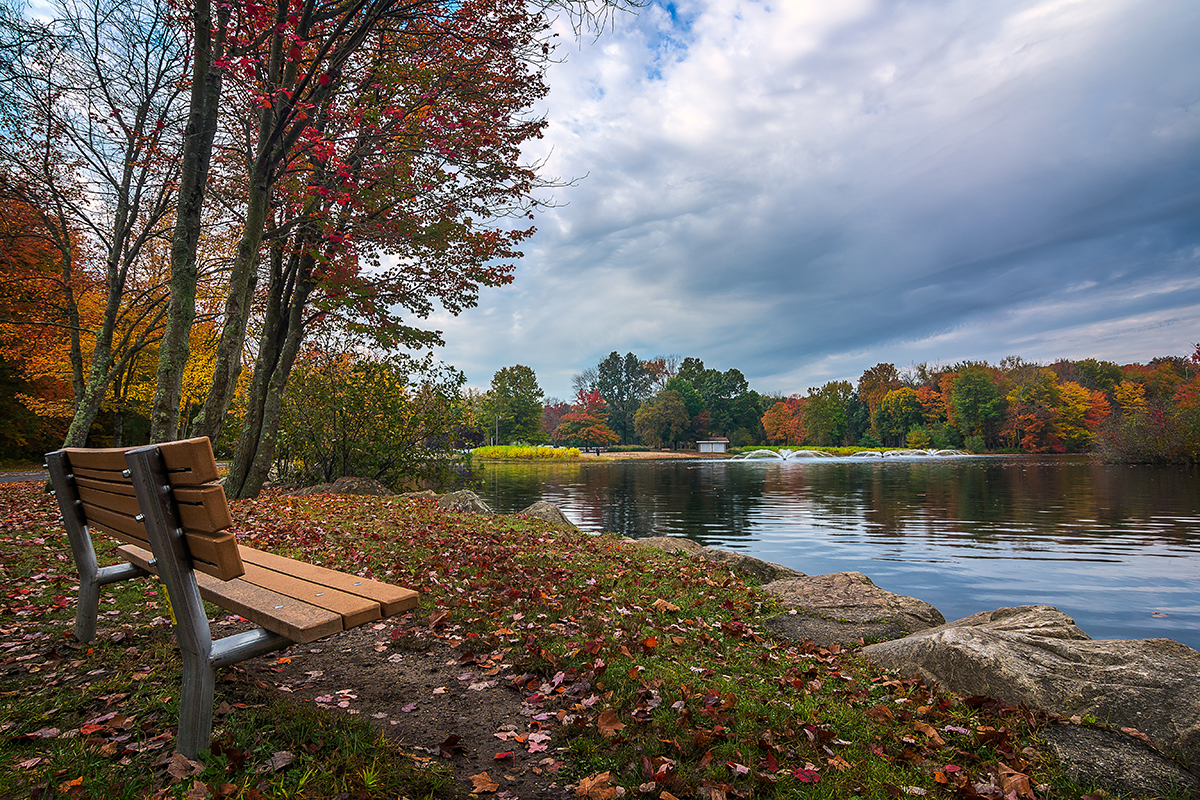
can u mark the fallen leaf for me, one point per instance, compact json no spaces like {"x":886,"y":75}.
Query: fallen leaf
{"x":181,"y":767}
{"x":661,"y":605}
{"x":452,"y":744}
{"x":596,"y":787}
{"x":1013,"y":781}
{"x":806,"y":775}
{"x":483,"y":783}
{"x":929,"y":731}
{"x":608,"y":723}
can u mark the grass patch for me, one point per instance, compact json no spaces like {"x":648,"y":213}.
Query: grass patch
{"x":653,"y":673}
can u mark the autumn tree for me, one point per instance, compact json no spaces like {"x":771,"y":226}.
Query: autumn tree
{"x":1081,"y":413}
{"x":1034,"y":419}
{"x":784,"y":421}
{"x":91,"y":128}
{"x":897,"y":413}
{"x":377,"y":224}
{"x":584,"y":424}
{"x":873,"y":386}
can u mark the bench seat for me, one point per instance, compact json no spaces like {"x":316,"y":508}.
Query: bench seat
{"x":292,"y":598}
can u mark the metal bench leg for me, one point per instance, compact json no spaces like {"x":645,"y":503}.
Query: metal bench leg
{"x":195,"y":705}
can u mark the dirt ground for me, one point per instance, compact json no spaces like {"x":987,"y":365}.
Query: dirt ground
{"x":466,"y":710}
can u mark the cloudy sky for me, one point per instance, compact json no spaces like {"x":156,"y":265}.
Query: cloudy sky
{"x":804,"y":189}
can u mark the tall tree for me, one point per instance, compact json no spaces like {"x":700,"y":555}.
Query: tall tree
{"x":422,"y":184}
{"x":825,"y":413}
{"x":516,"y":405}
{"x":623,"y":382}
{"x":662,"y":420}
{"x":97,"y":93}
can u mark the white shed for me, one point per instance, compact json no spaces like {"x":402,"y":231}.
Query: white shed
{"x":718,"y":445}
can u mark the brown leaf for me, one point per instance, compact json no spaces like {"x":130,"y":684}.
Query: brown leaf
{"x":197,"y":791}
{"x":661,"y":605}
{"x":483,"y":783}
{"x":608,"y":723}
{"x":1013,"y":781}
{"x":182,"y":767}
{"x":596,"y":787}
{"x":930,"y":731}
{"x":880,"y":713}
{"x":451,"y":745}
{"x":1135,"y":733}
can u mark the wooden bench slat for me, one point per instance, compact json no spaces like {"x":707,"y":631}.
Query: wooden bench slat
{"x":122,"y":486}
{"x":215,"y":553}
{"x":109,"y":459}
{"x":121,"y":504}
{"x":392,"y":599}
{"x":203,"y":509}
{"x":99,"y":474}
{"x":353,"y":609}
{"x":298,"y":621}
{"x":115,"y":521}
{"x":189,"y":462}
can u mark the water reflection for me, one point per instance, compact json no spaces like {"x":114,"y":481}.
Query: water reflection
{"x":1109,"y":545}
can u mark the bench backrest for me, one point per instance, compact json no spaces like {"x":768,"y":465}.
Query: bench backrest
{"x":108,"y":502}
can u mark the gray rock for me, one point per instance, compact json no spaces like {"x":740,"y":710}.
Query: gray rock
{"x":824,"y":632}
{"x":850,"y":598}
{"x":1117,"y":763}
{"x":349,"y":485}
{"x":1037,"y":655}
{"x":763,"y":571}
{"x":548,"y":512}
{"x":346,"y":485}
{"x":464,"y":500}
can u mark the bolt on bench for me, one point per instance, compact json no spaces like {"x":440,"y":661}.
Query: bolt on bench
{"x":163,"y":503}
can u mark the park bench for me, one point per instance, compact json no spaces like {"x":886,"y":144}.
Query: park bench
{"x":163,"y":503}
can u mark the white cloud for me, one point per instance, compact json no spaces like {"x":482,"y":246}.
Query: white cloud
{"x":801,"y":190}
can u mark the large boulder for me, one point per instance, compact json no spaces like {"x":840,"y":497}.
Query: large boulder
{"x":464,"y":500}
{"x":762,"y":571}
{"x":1037,"y":655}
{"x":548,"y":512}
{"x":846,"y":607}
{"x":1117,"y":762}
{"x":346,"y":485}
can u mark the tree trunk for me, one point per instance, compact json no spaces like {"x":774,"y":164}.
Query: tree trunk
{"x":283,"y":325}
{"x":195,"y":160}
{"x":242,"y":283}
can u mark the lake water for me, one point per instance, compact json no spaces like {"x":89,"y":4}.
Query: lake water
{"x":1115,"y":547}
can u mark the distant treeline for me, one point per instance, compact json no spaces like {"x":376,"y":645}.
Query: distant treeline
{"x":1133,"y":412}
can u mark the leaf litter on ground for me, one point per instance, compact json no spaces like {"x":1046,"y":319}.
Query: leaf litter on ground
{"x":685,"y":693}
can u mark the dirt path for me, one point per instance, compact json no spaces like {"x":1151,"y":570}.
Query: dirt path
{"x":438,"y":702}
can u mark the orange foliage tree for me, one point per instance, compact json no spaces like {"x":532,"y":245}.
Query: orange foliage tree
{"x":784,"y":421}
